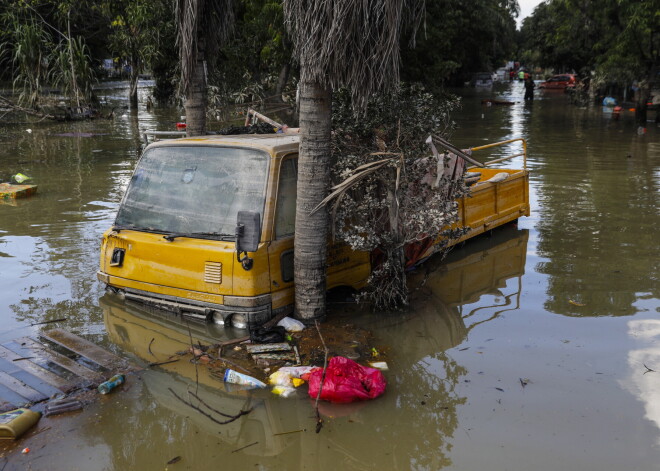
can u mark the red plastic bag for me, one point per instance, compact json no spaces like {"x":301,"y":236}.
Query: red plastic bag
{"x":346,"y":381}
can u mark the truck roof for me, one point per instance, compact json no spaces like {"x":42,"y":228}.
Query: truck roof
{"x":274,"y":144}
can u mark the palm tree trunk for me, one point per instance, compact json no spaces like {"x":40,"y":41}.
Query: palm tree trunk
{"x":133,"y":85}
{"x":311,"y":236}
{"x":196,"y":99}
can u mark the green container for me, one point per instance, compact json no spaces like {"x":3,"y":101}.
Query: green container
{"x":15,"y":423}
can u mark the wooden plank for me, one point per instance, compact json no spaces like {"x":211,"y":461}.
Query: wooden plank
{"x":33,"y":382}
{"x":36,"y":370}
{"x":10,"y":400}
{"x":85,"y":348}
{"x":61,"y":360}
{"x":8,"y":190}
{"x":26,"y":378}
{"x":19,"y":387}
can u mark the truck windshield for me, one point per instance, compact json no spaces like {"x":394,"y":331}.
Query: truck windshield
{"x":194,"y":189}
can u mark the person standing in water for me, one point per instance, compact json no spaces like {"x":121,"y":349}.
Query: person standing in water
{"x":529,"y":88}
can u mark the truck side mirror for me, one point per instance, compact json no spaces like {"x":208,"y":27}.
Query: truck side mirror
{"x":248,"y":235}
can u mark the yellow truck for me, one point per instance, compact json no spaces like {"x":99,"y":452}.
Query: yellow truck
{"x":206,"y":227}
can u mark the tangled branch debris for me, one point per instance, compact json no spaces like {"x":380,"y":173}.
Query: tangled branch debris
{"x":205,"y":414}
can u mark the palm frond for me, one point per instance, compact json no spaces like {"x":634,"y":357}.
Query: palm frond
{"x":351,"y":43}
{"x":201,"y":24}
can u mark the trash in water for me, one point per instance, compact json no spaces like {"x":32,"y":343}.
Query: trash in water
{"x":62,"y":405}
{"x":285,"y":376}
{"x":297,"y":382}
{"x":284,"y":391}
{"x":20,"y":178}
{"x":274,"y":334}
{"x":112,"y":383}
{"x":15,"y":423}
{"x":575,"y":303}
{"x":280,"y":352}
{"x":235,"y":377}
{"x":379,"y":365}
{"x":291,"y":325}
{"x":268,"y":347}
{"x":346,"y":381}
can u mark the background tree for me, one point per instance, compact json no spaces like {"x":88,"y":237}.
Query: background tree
{"x":337,"y":44}
{"x":201,"y":26}
{"x":460,"y":38}
{"x":616,"y":41}
{"x":45,"y":48}
{"x":135,"y":37}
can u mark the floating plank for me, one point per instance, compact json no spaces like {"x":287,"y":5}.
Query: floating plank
{"x":86,"y":348}
{"x":61,"y":360}
{"x":36,"y":370}
{"x":20,"y":388}
{"x":8,"y":190}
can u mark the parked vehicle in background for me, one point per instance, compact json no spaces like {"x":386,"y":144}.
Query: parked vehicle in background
{"x":654,"y":98}
{"x":559,"y":82}
{"x":482,"y":80}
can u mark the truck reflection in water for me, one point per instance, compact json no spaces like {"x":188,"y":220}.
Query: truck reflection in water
{"x":422,"y":400}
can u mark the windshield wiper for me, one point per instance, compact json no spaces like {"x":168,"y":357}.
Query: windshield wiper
{"x":198,"y":235}
{"x":119,"y":228}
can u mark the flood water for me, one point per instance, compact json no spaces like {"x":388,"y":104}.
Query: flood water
{"x":524,"y":350}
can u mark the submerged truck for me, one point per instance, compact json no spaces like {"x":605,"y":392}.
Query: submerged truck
{"x":206,"y":227}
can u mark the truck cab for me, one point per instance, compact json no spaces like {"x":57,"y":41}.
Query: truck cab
{"x":174,"y":241}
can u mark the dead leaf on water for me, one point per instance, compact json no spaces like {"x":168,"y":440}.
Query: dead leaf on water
{"x":575,"y":303}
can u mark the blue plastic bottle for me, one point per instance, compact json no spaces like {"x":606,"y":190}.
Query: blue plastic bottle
{"x":112,"y":383}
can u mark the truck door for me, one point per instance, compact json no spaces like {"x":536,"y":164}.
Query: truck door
{"x":280,"y":252}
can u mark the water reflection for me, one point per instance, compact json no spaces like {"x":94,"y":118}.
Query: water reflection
{"x":644,"y":382}
{"x":418,"y":413}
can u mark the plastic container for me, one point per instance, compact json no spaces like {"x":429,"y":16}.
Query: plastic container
{"x":15,"y":423}
{"x":112,"y":383}
{"x":62,"y":405}
{"x":235,"y":377}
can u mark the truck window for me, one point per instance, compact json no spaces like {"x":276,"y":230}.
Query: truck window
{"x":194,"y":189}
{"x":285,"y":211}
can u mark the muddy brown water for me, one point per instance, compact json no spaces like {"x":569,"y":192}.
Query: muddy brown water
{"x":523,"y":350}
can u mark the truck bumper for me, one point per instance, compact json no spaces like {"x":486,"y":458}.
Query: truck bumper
{"x":238,"y":311}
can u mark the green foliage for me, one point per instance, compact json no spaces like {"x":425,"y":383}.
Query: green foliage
{"x":459,"y":38}
{"x":71,"y":70}
{"x":136,"y":26}
{"x":27,"y":48}
{"x":619,"y":40}
{"x":42,"y":55}
{"x":256,"y":55}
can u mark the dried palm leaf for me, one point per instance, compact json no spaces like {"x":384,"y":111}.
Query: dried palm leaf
{"x":351,"y":43}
